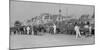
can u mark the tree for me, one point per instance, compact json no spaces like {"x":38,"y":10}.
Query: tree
{"x":93,"y":16}
{"x":17,"y":23}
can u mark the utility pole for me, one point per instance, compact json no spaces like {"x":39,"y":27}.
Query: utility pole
{"x":60,"y":12}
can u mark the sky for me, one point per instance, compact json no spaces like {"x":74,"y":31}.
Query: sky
{"x":23,"y":11}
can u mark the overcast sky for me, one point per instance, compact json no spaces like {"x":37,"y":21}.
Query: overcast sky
{"x":25,"y":10}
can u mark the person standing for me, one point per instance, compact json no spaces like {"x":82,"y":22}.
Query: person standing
{"x":54,"y":28}
{"x":87,"y":29}
{"x":35,"y":29}
{"x":90,"y":29}
{"x":28,"y":30}
{"x":76,"y":28}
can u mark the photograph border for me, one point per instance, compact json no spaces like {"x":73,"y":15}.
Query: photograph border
{"x":45,"y":3}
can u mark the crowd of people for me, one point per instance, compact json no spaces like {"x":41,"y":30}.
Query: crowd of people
{"x":29,"y":30}
{"x":86,"y":29}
